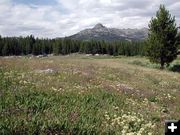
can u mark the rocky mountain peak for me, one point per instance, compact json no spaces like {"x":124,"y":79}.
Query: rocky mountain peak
{"x":100,"y":32}
{"x":99,"y":26}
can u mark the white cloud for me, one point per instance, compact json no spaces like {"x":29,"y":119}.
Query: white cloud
{"x":69,"y":16}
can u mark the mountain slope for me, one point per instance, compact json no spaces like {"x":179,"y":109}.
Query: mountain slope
{"x":100,"y":32}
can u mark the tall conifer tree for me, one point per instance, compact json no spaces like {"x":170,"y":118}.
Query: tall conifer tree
{"x":162,"y":39}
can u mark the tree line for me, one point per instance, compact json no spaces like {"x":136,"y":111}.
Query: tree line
{"x":36,"y":46}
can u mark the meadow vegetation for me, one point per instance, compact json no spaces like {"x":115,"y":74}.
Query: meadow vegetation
{"x":79,"y":94}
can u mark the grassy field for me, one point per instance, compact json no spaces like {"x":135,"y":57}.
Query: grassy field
{"x":80,"y":94}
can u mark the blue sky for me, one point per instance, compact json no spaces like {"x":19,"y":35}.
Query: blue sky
{"x":58,"y":18}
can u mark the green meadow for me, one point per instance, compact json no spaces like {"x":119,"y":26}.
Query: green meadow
{"x":80,"y":94}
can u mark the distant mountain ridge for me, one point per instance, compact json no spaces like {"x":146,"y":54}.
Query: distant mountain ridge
{"x":100,"y":32}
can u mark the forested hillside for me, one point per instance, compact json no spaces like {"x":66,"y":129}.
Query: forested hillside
{"x":30,"y":45}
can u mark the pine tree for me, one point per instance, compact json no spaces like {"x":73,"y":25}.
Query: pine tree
{"x":162,"y":39}
{"x":178,"y":43}
{"x":1,"y":46}
{"x":5,"y":50}
{"x":57,"y":47}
